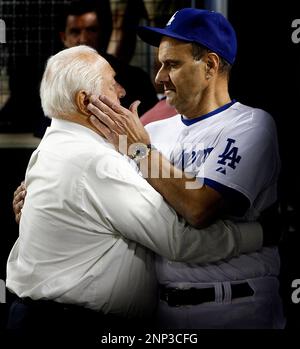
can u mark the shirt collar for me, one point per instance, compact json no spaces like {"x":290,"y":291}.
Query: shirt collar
{"x":189,"y":122}
{"x":83,"y":131}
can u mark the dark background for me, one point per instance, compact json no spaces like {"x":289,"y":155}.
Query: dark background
{"x":266,"y":75}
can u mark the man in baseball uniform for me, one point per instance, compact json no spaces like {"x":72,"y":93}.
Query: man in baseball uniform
{"x":215,"y":158}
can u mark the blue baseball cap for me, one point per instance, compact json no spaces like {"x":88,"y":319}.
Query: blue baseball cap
{"x":207,"y":28}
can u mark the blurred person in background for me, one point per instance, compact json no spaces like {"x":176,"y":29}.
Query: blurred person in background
{"x":87,"y":22}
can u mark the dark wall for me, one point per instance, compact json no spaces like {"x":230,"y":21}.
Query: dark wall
{"x":267,"y":75}
{"x":31,"y":38}
{"x":13,"y":165}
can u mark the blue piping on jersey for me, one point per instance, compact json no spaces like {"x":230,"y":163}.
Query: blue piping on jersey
{"x":189,"y":122}
{"x":236,"y":203}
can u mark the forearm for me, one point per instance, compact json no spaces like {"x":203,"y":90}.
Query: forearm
{"x":221,"y":240}
{"x":197,"y":203}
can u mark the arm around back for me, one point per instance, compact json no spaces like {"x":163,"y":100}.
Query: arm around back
{"x":115,"y":194}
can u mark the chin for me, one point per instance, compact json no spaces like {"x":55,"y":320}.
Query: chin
{"x":170,"y":101}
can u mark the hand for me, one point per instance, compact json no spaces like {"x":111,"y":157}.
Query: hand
{"x":113,"y":120}
{"x":18,"y":201}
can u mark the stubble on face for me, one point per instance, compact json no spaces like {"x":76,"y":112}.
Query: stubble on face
{"x":181,"y":76}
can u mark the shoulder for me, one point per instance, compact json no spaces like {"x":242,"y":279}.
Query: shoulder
{"x":111,"y":165}
{"x":166,"y":129}
{"x":250,"y":114}
{"x":75,"y":145}
{"x":252,"y":119}
{"x":173,"y":122}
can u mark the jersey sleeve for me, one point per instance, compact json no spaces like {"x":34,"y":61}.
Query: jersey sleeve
{"x":245,"y":160}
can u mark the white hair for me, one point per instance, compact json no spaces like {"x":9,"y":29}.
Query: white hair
{"x":69,"y":71}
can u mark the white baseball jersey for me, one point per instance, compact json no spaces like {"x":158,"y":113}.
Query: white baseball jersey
{"x":233,"y":150}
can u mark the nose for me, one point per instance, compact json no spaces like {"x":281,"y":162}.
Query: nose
{"x":161,"y":76}
{"x":120,"y":91}
{"x":83,"y":38}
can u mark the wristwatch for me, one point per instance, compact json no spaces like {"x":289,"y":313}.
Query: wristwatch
{"x":140,"y":151}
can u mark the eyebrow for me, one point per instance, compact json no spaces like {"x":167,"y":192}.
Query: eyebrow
{"x":169,"y":60}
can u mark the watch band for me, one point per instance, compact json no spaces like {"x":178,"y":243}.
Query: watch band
{"x":136,"y":155}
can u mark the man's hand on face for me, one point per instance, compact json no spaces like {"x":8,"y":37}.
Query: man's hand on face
{"x":113,"y":120}
{"x":18,"y":201}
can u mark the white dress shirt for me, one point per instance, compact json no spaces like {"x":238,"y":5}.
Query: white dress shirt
{"x":91,"y":223}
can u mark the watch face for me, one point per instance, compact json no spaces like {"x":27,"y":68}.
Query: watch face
{"x":138,"y":151}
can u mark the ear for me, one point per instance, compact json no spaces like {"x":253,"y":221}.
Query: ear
{"x":82,"y":100}
{"x":212,"y":64}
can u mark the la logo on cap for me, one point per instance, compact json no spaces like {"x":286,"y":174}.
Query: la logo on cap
{"x":171,"y":19}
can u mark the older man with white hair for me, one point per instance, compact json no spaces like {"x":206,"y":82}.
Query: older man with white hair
{"x":83,"y":261}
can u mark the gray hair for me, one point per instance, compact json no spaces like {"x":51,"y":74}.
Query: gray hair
{"x":198,"y":51}
{"x":67,"y":72}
